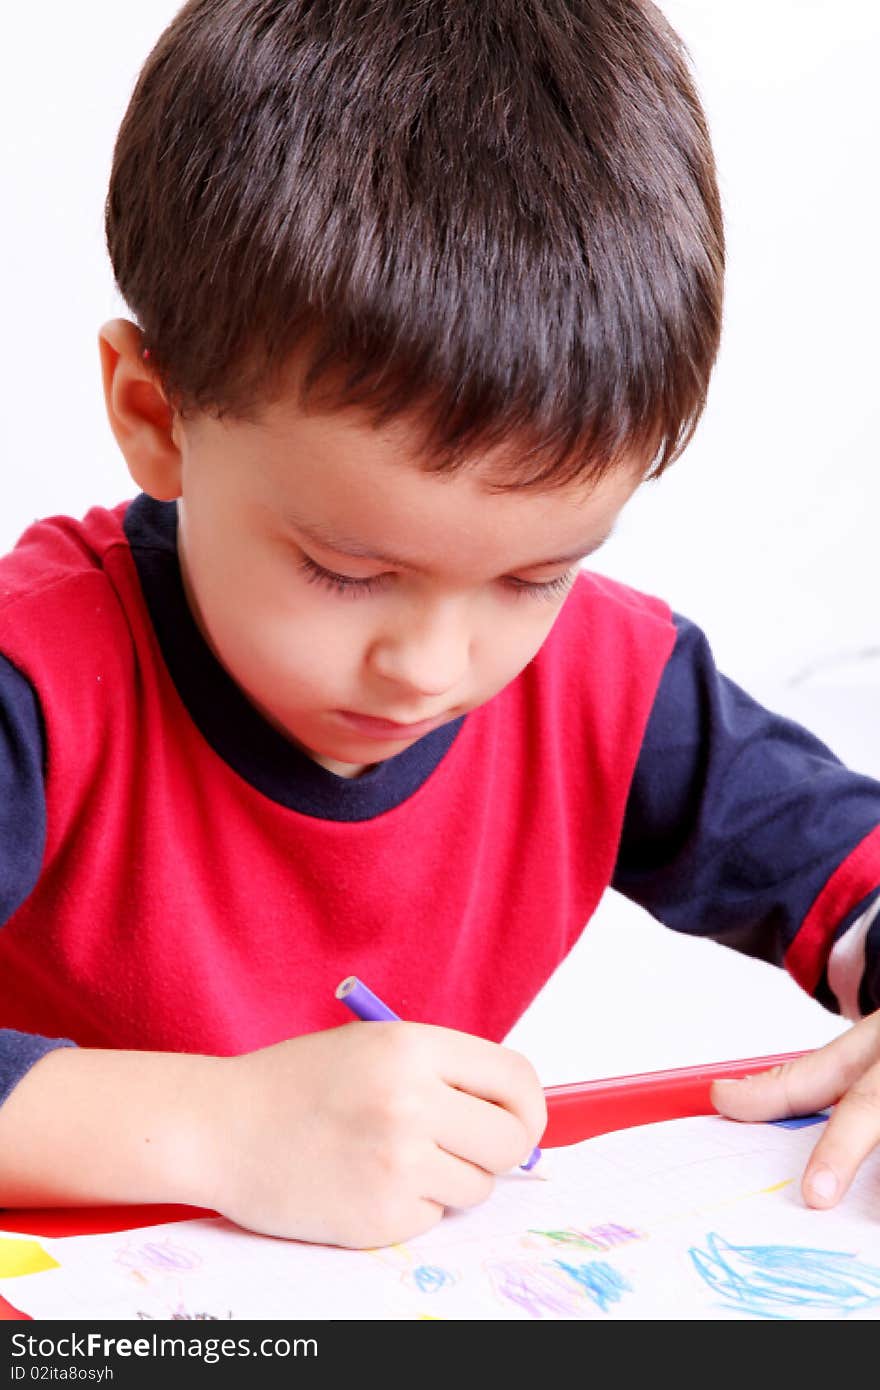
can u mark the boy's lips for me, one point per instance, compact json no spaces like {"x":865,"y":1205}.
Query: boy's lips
{"x":370,"y":727}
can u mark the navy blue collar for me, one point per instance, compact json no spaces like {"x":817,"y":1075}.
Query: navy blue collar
{"x":231,"y":724}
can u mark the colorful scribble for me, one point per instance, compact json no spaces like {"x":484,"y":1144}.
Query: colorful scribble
{"x":785,"y":1281}
{"x":593,"y":1238}
{"x":599,"y":1280}
{"x":431,"y":1278}
{"x":556,"y":1289}
{"x":539,"y":1291}
{"x":157,"y":1255}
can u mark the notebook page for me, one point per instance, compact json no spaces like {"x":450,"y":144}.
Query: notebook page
{"x":687,"y":1219}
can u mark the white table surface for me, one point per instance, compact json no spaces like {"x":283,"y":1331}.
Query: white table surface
{"x":633,"y":996}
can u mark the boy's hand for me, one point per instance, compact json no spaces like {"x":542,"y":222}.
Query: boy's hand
{"x":361,"y":1135}
{"x":846,"y":1074}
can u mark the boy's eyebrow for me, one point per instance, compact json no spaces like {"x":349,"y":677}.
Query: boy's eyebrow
{"x":348,"y":545}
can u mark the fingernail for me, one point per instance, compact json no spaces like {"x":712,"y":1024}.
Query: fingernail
{"x":823,"y":1184}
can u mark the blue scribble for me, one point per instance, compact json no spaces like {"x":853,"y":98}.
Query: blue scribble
{"x":600,"y":1281}
{"x":769,"y":1279}
{"x":430,"y":1278}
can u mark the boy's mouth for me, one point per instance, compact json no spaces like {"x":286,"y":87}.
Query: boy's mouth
{"x":387,"y":729}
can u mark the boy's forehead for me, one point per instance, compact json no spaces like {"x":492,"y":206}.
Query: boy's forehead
{"x":366,"y":490}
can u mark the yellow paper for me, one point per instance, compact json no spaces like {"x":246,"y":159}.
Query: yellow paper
{"x":23,"y":1257}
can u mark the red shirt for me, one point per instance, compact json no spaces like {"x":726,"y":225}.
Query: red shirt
{"x":181,"y":908}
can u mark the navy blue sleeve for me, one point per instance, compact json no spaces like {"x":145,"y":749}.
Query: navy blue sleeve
{"x":738,"y":817}
{"x":22,"y":840}
{"x":19,"y":1052}
{"x":22,"y":798}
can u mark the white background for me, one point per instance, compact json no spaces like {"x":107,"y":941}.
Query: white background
{"x":763,"y":533}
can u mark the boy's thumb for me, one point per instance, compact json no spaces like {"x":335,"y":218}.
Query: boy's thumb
{"x":804,"y":1084}
{"x":799,"y":1087}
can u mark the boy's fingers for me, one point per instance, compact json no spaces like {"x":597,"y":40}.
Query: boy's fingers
{"x":850,"y":1135}
{"x":494,"y":1073}
{"x":488,"y":1136}
{"x":806,"y":1084}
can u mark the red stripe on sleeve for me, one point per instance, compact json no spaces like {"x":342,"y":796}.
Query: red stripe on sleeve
{"x":851,"y":881}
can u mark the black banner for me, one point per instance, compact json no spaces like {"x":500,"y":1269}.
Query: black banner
{"x":130,"y":1355}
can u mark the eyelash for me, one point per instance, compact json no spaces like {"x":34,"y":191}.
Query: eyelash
{"x":360,"y":588}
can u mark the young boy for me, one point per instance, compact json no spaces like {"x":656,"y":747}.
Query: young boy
{"x":421,"y":295}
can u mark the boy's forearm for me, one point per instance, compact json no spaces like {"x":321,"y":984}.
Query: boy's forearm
{"x":88,"y":1126}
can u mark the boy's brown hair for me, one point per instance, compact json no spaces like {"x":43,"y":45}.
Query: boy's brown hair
{"x":498,"y":217}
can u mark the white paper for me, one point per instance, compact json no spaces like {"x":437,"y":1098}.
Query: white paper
{"x":689,"y":1219}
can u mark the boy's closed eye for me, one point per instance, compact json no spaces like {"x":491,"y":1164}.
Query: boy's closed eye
{"x":353,"y":587}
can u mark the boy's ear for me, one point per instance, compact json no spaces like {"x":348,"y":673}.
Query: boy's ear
{"x":140,"y":417}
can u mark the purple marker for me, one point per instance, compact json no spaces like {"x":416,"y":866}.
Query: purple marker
{"x":368,"y":1006}
{"x":364,"y":1002}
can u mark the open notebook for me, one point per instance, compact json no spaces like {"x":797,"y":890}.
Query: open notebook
{"x":696,"y":1218}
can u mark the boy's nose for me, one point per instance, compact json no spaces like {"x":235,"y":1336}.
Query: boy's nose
{"x":429,"y":657}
